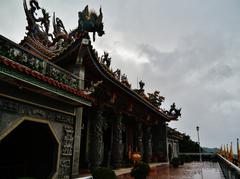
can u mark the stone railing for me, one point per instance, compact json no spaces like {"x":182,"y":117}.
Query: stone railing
{"x":19,"y":55}
{"x":229,"y":170}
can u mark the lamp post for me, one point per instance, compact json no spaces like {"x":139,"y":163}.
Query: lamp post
{"x":238,"y":152}
{"x":200,"y":156}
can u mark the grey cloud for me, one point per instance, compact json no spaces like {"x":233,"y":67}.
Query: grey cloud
{"x":220,"y":72}
{"x":199,"y":76}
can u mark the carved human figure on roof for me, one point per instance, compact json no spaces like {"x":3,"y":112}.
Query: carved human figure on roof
{"x":141,"y":84}
{"x":173,"y":107}
{"x":156,"y":99}
{"x":38,"y":27}
{"x":60,"y":34}
{"x":59,"y":26}
{"x":105,"y":59}
{"x":95,"y":52}
{"x":33,"y":7}
{"x":117,"y":74}
{"x":45,"y":21}
{"x":124,"y":80}
{"x":141,"y":90}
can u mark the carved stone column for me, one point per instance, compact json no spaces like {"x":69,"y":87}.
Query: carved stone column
{"x":139,"y":137}
{"x":117,"y":145}
{"x":77,"y":141}
{"x":159,"y":142}
{"x":78,"y":70}
{"x":96,"y":145}
{"x":147,"y":144}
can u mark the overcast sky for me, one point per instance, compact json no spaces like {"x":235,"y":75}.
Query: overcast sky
{"x":189,"y":50}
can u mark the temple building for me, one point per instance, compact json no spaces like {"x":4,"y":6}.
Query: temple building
{"x":63,"y":109}
{"x":174,"y":139}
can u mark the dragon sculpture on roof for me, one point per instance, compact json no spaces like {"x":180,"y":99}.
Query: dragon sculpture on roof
{"x":91,"y":22}
{"x":174,"y":112}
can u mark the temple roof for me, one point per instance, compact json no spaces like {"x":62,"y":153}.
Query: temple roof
{"x":61,"y":46}
{"x":107,"y":74}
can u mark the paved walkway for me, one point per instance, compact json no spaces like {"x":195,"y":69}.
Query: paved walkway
{"x":194,"y":170}
{"x":123,"y":171}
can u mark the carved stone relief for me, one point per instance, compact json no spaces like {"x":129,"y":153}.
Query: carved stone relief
{"x":67,"y":146}
{"x":65,"y":166}
{"x":66,"y":152}
{"x":30,"y":110}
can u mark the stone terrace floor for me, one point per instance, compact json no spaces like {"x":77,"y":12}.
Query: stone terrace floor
{"x":194,"y":170}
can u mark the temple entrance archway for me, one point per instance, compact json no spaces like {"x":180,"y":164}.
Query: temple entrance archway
{"x":29,"y":150}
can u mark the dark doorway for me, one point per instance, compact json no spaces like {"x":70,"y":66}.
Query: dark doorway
{"x":30,"y":150}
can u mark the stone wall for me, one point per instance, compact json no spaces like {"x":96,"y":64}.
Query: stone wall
{"x":12,"y":113}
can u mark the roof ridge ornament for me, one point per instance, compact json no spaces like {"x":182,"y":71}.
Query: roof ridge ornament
{"x":61,"y":36}
{"x":156,"y":99}
{"x":89,"y":21}
{"x":38,"y":28}
{"x":174,"y":111}
{"x":105,"y":59}
{"x":39,"y":22}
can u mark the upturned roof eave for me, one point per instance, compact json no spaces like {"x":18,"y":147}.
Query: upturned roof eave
{"x":105,"y":74}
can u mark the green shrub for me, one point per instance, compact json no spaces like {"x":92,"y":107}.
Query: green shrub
{"x":175,"y":162}
{"x":181,"y":159}
{"x":140,"y":170}
{"x":103,"y":173}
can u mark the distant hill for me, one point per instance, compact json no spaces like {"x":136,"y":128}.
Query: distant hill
{"x":210,"y":150}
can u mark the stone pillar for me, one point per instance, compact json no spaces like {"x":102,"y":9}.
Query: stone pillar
{"x":159,"y":142}
{"x":147,"y":144}
{"x":77,"y":141}
{"x":96,"y":145}
{"x":139,"y":137}
{"x":117,"y":145}
{"x":164,"y":140}
{"x":78,"y":70}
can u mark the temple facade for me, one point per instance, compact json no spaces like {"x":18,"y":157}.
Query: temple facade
{"x":63,"y":109}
